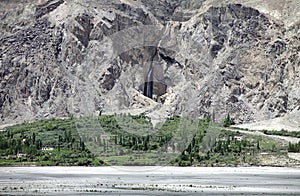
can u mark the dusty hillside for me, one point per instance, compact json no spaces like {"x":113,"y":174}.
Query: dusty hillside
{"x":208,"y":58}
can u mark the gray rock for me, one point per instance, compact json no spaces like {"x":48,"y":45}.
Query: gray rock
{"x":209,"y":58}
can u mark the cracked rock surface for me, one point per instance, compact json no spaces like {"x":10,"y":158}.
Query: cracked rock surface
{"x":209,"y":58}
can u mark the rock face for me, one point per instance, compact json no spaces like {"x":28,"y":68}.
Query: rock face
{"x":209,"y":58}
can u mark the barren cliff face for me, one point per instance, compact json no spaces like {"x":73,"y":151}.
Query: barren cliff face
{"x":201,"y":58}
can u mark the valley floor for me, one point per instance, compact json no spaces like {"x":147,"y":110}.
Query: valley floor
{"x":149,"y":180}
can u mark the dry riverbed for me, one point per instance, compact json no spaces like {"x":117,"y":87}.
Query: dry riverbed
{"x":149,"y":180}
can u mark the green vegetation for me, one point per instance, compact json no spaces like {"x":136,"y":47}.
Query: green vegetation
{"x":228,"y":121}
{"x":231,"y":149}
{"x":44,"y":142}
{"x":115,"y":139}
{"x":294,"y":147}
{"x":283,"y":132}
{"x":132,"y":140}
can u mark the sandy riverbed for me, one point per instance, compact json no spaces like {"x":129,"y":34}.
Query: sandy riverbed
{"x":149,"y":180}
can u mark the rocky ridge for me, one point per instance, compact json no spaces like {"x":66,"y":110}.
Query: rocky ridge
{"x":209,"y":58}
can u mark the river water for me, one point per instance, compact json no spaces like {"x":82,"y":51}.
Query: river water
{"x":149,"y":180}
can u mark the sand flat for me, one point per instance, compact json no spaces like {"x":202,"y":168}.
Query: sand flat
{"x":149,"y":180}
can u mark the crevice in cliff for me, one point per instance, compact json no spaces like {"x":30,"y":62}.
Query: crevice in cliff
{"x":170,"y":60}
{"x":148,"y":86}
{"x":48,"y":7}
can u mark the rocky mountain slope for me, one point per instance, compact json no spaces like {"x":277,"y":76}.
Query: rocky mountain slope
{"x":207,"y":58}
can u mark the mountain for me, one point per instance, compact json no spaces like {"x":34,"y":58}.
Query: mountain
{"x":200,"y":58}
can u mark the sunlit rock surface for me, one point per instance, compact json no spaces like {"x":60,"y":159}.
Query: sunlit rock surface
{"x":209,"y":58}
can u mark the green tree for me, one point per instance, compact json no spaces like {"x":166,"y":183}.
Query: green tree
{"x":228,"y":121}
{"x":82,"y":145}
{"x":59,"y":142}
{"x":33,"y":138}
{"x":38,"y":144}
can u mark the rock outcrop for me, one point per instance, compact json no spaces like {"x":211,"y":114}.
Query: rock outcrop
{"x":209,"y":58}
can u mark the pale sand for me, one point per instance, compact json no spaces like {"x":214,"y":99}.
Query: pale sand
{"x":149,"y":180}
{"x":290,"y":122}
